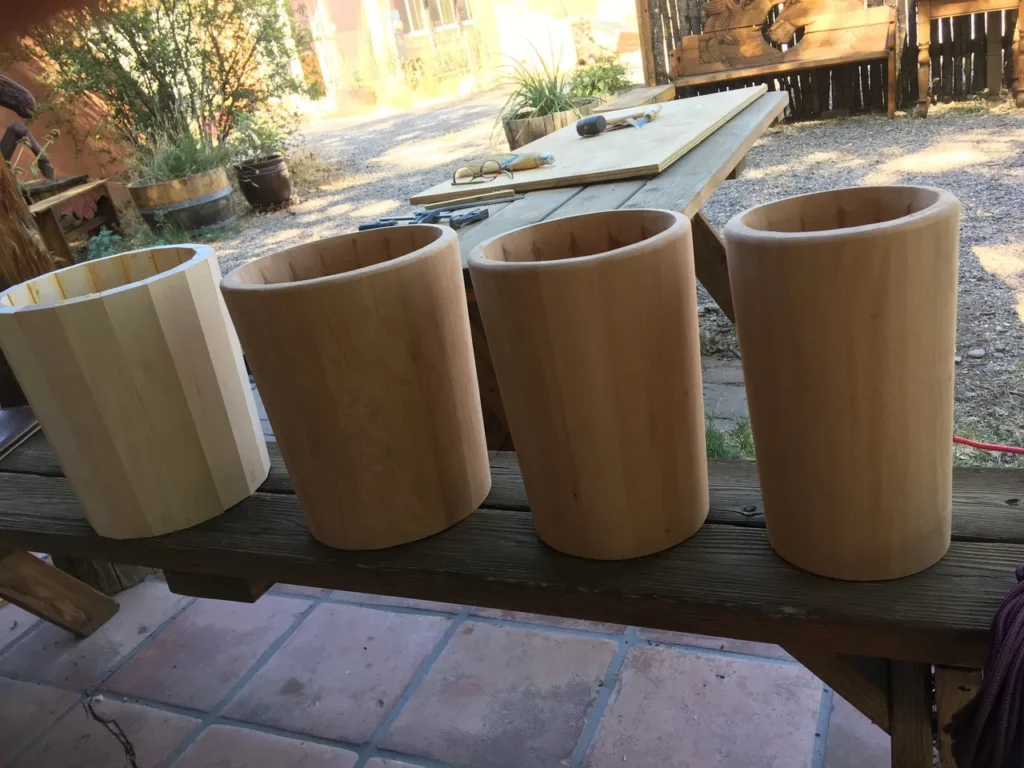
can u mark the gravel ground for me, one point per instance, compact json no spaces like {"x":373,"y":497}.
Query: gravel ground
{"x":975,"y":151}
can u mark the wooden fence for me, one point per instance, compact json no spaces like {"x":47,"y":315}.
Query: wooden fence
{"x":962,"y":60}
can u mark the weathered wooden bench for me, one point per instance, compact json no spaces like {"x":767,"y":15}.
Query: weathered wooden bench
{"x":46,"y":214}
{"x":930,"y":10}
{"x":874,"y":643}
{"x":733,"y":45}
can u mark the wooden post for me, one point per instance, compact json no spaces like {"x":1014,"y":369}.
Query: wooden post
{"x":994,"y":53}
{"x":910,"y":719}
{"x":710,"y":265}
{"x":1018,"y":58}
{"x":924,"y":41}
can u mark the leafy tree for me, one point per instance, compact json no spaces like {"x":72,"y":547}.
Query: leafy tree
{"x":171,"y":67}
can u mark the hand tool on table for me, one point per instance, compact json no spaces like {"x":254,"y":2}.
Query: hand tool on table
{"x":491,"y":166}
{"x":456,"y":219}
{"x":593,"y":125}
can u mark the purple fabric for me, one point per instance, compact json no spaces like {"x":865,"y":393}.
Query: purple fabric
{"x":987,"y":732}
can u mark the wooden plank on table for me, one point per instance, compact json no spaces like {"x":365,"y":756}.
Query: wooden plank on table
{"x":639,"y":97}
{"x":861,"y":680}
{"x":723,"y":581}
{"x":687,"y":185}
{"x":37,"y":587}
{"x":535,"y":207}
{"x":235,"y":588}
{"x":710,"y":264}
{"x":615,"y":155}
{"x":954,"y":687}
{"x":910,"y":710}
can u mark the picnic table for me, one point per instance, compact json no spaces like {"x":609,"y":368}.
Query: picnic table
{"x":684,"y":186}
{"x":874,"y":643}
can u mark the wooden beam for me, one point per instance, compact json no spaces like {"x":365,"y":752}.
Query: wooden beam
{"x":237,"y":589}
{"x":643,"y":20}
{"x":994,"y":54}
{"x":37,"y":587}
{"x":710,"y":264}
{"x":910,"y":718}
{"x":736,"y":172}
{"x":861,"y":680}
{"x":1017,"y":51}
{"x":954,"y":687}
{"x":924,"y":42}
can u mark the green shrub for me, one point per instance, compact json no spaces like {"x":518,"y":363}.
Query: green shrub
{"x":606,"y":75}
{"x":171,"y":157}
{"x":104,"y":243}
{"x":537,"y":91}
{"x":263,"y":134}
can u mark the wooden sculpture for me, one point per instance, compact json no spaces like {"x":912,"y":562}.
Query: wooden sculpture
{"x":135,"y":374}
{"x":846,"y":314}
{"x":592,"y":326}
{"x":360,"y":345}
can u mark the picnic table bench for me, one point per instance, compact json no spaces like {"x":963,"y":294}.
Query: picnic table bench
{"x":874,"y":643}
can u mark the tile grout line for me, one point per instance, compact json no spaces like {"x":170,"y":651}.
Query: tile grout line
{"x":370,"y":748}
{"x":600,"y":705}
{"x":822,"y":726}
{"x":235,"y":689}
{"x":91,"y":689}
{"x":16,"y":641}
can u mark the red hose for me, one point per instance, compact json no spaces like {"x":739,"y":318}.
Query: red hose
{"x":987,"y":446}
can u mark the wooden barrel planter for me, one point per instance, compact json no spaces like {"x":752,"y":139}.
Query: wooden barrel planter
{"x":846,"y":314}
{"x":360,"y":347}
{"x":200,"y":201}
{"x":592,"y":327}
{"x":520,"y":132}
{"x":265,"y":183}
{"x":136,"y":376}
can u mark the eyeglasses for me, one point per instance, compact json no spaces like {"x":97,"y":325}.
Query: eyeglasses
{"x":478,"y":173}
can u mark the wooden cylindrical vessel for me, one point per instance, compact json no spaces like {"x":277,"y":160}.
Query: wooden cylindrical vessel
{"x":846,"y":313}
{"x":592,"y":327}
{"x":360,"y":346}
{"x":135,"y":374}
{"x":200,"y":201}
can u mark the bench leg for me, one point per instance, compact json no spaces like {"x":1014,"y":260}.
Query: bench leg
{"x":910,"y":714}
{"x":42,"y":590}
{"x":954,"y":687}
{"x":710,"y":264}
{"x":861,"y":680}
{"x":738,"y":170}
{"x":891,"y":85}
{"x":53,"y":236}
{"x":924,"y":42}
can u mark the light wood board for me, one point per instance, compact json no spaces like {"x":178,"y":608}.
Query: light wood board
{"x":622,"y":154}
{"x":639,"y":97}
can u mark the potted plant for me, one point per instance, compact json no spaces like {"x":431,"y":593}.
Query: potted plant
{"x":182,"y":183}
{"x":260,"y":142}
{"x":540,"y":102}
{"x":603,"y":79}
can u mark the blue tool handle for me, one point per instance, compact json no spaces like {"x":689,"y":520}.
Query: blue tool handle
{"x":378,"y":224}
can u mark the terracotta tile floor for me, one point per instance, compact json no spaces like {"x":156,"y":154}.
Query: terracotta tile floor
{"x":310,"y":679}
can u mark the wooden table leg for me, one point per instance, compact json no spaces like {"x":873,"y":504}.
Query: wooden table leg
{"x":910,"y":714}
{"x":710,"y":264}
{"x":499,"y":437}
{"x":37,"y":587}
{"x":736,"y":172}
{"x":954,"y":687}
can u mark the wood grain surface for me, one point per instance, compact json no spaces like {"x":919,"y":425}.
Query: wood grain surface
{"x":360,"y":347}
{"x":592,"y":327}
{"x":846,"y":315}
{"x":616,"y":155}
{"x":135,"y":374}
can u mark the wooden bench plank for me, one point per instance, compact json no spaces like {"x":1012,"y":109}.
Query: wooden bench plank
{"x":911,"y":715}
{"x":988,"y":503}
{"x":725,"y":580}
{"x":536,"y":206}
{"x":62,"y":197}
